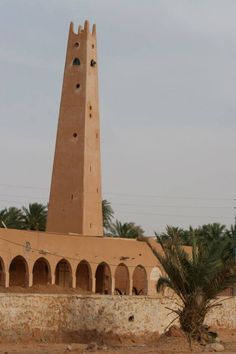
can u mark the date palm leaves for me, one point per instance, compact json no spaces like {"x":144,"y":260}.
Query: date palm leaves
{"x":32,"y":218}
{"x":197,"y":275}
{"x":125,"y":230}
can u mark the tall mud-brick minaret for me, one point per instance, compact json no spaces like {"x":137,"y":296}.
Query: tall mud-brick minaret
{"x":75,"y":196}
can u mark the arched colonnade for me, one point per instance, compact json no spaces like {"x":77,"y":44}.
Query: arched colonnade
{"x":99,"y":278}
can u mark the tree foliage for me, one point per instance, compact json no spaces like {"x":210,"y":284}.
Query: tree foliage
{"x":107,"y":214}
{"x":32,"y":218}
{"x":203,"y":234}
{"x":12,"y":218}
{"x":125,"y":230}
{"x":35,"y":217}
{"x":196,"y":277}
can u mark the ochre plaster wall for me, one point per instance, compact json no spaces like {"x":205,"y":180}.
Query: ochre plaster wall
{"x":53,"y":248}
{"x":63,"y":317}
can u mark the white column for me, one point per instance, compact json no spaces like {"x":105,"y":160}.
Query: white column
{"x":131,"y":286}
{"x":7,"y":279}
{"x":93,"y":285}
{"x":112,"y":285}
{"x":53,"y":278}
{"x":73,"y":281}
{"x":30,"y":279}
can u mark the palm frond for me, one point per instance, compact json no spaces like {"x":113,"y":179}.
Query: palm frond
{"x":162,"y":282}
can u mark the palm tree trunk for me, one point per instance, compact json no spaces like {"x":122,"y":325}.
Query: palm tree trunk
{"x":191,"y":320}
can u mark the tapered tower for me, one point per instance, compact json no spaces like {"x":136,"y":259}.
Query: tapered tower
{"x":75,"y":204}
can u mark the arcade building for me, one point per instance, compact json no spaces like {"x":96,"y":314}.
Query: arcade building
{"x":73,"y":251}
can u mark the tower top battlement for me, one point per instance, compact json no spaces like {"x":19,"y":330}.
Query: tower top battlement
{"x":85,"y":29}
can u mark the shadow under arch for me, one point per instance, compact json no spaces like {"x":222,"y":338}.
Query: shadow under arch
{"x":19,"y":272}
{"x":41,"y":272}
{"x":139,"y":281}
{"x":84,"y":276}
{"x":122,"y":280}
{"x":2,"y":272}
{"x":103,"y":279}
{"x":63,"y":274}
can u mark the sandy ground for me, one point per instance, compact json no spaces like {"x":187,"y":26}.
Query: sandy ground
{"x":166,"y":345}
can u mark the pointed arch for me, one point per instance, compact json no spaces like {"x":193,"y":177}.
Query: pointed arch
{"x":84,"y":276}
{"x":76,"y":61}
{"x":41,"y":272}
{"x":103,"y":279}
{"x":63,"y":274}
{"x":19,"y":272}
{"x":139,"y":281}
{"x":122,"y":281}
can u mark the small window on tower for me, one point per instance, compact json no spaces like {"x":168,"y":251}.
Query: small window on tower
{"x":76,"y":45}
{"x":93,"y":63}
{"x":76,"y":61}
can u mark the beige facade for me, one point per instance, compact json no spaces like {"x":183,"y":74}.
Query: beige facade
{"x":99,"y":265}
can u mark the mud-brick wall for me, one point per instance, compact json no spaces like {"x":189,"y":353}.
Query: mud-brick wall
{"x":66,"y":317}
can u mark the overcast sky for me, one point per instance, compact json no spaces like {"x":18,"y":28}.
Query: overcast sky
{"x":167,"y":77}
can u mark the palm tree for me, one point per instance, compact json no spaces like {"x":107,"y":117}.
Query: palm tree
{"x":231,"y":233}
{"x":12,"y":218}
{"x":125,"y":230}
{"x":170,"y":232}
{"x":196,"y":277}
{"x":34,"y":218}
{"x":107,"y":213}
{"x":211,"y":232}
{"x":204,"y":233}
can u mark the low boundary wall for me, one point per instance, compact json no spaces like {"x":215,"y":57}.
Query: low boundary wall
{"x":43,"y":317}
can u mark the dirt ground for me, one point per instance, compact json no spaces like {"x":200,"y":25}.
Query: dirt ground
{"x":165,"y":345}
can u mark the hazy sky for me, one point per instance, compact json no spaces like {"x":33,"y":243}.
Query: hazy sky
{"x":167,"y":74}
